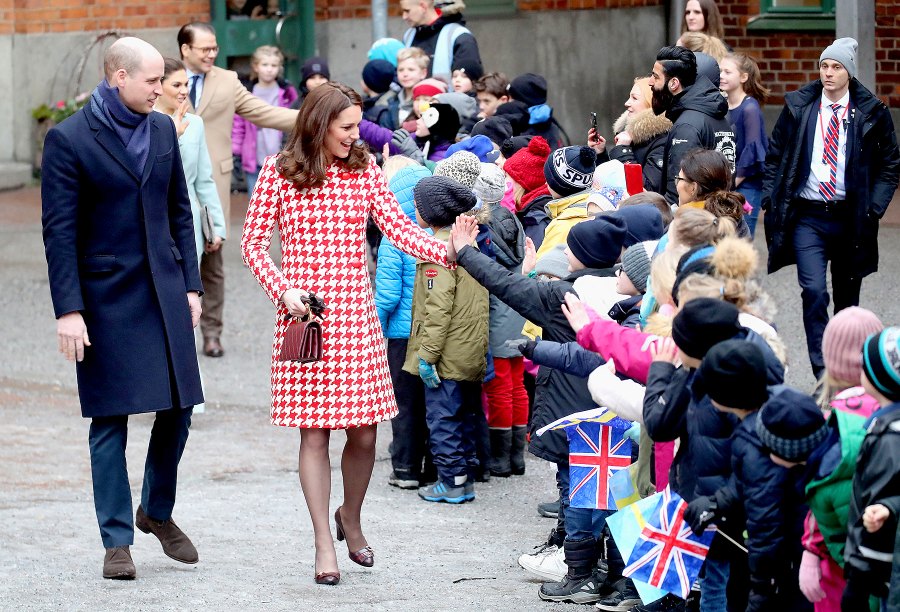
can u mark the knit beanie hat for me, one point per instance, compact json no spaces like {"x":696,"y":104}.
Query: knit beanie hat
{"x":842,"y":50}
{"x":480,"y":146}
{"x":636,"y":263}
{"x":606,"y":198}
{"x":702,"y":324}
{"x":791,"y":425}
{"x":644,"y":222}
{"x":463,"y":167}
{"x":473,"y":69}
{"x":843,"y":340}
{"x":610,"y":174}
{"x":526,"y":167}
{"x":378,"y":75}
{"x":313,"y":66}
{"x":441,"y":121}
{"x":429,"y":87}
{"x":491,"y":184}
{"x":514,"y":144}
{"x":733,"y":374}
{"x":386,"y":49}
{"x":529,"y":88}
{"x":570,"y":170}
{"x":553,"y":263}
{"x":597,"y":243}
{"x":497,"y":129}
{"x":881,"y":362}
{"x":440,"y":200}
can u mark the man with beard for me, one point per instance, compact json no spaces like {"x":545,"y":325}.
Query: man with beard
{"x":696,"y":109}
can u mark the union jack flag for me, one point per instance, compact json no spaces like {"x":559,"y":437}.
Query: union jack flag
{"x":668,"y":555}
{"x":596,"y":452}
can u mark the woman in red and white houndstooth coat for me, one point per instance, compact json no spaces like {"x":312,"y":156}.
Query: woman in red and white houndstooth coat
{"x":318,"y":193}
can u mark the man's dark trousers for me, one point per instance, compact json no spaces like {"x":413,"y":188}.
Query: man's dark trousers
{"x":823,"y":233}
{"x":112,"y":493}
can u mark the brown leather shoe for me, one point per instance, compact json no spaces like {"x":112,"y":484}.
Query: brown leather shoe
{"x":212,"y":347}
{"x":117,"y":564}
{"x":174,"y":543}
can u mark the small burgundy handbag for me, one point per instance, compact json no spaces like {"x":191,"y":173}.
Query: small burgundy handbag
{"x":303,"y":337}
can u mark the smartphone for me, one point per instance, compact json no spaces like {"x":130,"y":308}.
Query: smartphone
{"x":594,"y":122}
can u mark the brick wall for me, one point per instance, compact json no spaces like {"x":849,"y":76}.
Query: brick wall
{"x":346,"y":9}
{"x":789,"y":59}
{"x":41,"y":16}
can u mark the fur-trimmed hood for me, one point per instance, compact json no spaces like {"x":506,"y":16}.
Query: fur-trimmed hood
{"x":643,"y":126}
{"x":450,"y":7}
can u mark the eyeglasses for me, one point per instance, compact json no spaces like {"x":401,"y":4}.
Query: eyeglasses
{"x":206,"y":50}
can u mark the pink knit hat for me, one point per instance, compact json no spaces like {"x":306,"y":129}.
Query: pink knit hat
{"x":843,"y":341}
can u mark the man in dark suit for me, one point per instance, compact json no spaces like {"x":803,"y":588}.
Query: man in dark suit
{"x":125,"y":285}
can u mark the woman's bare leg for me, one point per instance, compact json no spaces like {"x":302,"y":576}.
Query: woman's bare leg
{"x":356,"y":466}
{"x":315,"y":480}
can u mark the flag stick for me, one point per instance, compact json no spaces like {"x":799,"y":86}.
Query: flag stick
{"x":730,"y":539}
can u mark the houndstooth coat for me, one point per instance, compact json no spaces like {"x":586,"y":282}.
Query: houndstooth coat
{"x":323,"y":241}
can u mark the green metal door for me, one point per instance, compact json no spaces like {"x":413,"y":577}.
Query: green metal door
{"x":291,"y":29}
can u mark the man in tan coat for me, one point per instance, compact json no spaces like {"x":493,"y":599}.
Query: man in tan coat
{"x":217,"y":95}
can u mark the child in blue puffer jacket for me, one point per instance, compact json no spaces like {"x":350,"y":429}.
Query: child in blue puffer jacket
{"x":394,"y":279}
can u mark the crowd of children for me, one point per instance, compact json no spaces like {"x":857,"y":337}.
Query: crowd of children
{"x":576,"y":285}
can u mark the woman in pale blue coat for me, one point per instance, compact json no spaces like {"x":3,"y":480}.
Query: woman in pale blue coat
{"x":194,"y":156}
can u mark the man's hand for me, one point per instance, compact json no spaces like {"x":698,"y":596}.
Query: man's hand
{"x":71,"y":332}
{"x":293,"y":301}
{"x":194,"y":304}
{"x":875,"y":516}
{"x":178,"y":118}
{"x":463,"y":233}
{"x":575,"y":312}
{"x":215,"y":245}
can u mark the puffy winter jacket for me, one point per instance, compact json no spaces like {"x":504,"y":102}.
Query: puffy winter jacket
{"x":649,"y":133}
{"x":699,"y":120}
{"x":508,"y":242}
{"x":564,"y":214}
{"x":396,"y":271}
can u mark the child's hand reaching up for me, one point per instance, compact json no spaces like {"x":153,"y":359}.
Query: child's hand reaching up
{"x":463,"y":233}
{"x":875,"y":516}
{"x":575,"y":312}
{"x":664,"y":350}
{"x":530,"y":256}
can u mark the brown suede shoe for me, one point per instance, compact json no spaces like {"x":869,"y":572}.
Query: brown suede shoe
{"x":174,"y":543}
{"x":117,"y":564}
{"x":212,"y":347}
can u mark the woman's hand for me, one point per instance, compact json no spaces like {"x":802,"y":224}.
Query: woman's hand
{"x":664,"y":350}
{"x":463,"y":233}
{"x":293,"y":301}
{"x":623,"y":138}
{"x":596,"y":141}
{"x":575,"y":312}
{"x":178,"y":118}
{"x":530,"y":260}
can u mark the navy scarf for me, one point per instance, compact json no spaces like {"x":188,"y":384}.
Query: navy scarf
{"x":132,"y":128}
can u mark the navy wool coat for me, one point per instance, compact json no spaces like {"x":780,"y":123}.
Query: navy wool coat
{"x":120,"y":249}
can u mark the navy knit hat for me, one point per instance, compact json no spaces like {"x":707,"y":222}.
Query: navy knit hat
{"x":644,"y":222}
{"x":529,"y":88}
{"x":881,"y":362}
{"x":570,"y":169}
{"x":791,"y":425}
{"x":440,"y":200}
{"x":313,"y":66}
{"x":597,"y":243}
{"x":473,"y":69}
{"x":733,"y":374}
{"x":702,"y":324}
{"x":378,"y":75}
{"x":497,"y":129}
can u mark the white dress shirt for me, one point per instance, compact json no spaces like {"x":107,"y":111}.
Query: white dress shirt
{"x":821,"y":172}
{"x":200,"y":80}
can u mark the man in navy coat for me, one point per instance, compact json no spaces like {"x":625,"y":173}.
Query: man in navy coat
{"x":125,"y":284}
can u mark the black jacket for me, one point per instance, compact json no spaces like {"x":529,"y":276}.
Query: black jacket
{"x":649,"y":133}
{"x":465,"y":49}
{"x":535,"y":220}
{"x":556,"y":394}
{"x":519,"y":117}
{"x":508,"y":244}
{"x":872,"y":171}
{"x":699,"y":119}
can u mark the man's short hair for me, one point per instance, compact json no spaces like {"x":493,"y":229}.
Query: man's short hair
{"x":680,"y":63}
{"x":188,"y":32}
{"x":414,"y":53}
{"x":121,"y":57}
{"x":494,"y":83}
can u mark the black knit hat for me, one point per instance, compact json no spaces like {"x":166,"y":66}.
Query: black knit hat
{"x":733,"y":374}
{"x":529,"y":88}
{"x":881,"y":362}
{"x":791,"y":425}
{"x":497,"y":129}
{"x":570,"y":169}
{"x":702,"y":324}
{"x":439,"y":200}
{"x":473,"y":69}
{"x":378,"y":75}
{"x":313,"y":66}
{"x":442,"y":121}
{"x":511,"y":146}
{"x":597,"y":243}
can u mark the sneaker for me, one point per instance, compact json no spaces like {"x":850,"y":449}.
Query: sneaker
{"x":572,"y":590}
{"x":548,"y":562}
{"x":469,"y":491}
{"x":549,"y":509}
{"x":623,"y":598}
{"x":669,"y":603}
{"x":403,"y":481}
{"x":439,"y":492}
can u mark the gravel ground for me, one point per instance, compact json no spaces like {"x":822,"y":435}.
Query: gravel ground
{"x":239,"y":496}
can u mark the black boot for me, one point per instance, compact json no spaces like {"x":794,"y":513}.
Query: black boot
{"x":500,"y":443}
{"x":581,"y":584}
{"x":517,"y":450}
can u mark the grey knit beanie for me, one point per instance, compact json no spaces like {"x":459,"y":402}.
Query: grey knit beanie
{"x":842,"y":50}
{"x":636,"y":263}
{"x":553,"y":262}
{"x":491,"y":184}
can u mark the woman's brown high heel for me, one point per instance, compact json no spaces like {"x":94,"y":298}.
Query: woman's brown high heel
{"x":364,"y":556}
{"x":329,"y":578}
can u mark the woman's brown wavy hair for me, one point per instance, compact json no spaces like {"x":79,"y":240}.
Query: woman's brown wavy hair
{"x":303,"y":160}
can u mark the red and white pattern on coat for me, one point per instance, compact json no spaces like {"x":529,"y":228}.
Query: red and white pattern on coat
{"x":323,"y":241}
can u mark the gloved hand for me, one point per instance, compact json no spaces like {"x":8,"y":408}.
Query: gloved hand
{"x":407,"y":146}
{"x":700,"y":513}
{"x":523,"y":345}
{"x":634,"y":433}
{"x":811,"y":577}
{"x":762,"y":593}
{"x":428,"y":374}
